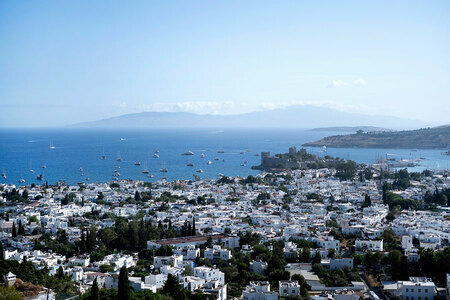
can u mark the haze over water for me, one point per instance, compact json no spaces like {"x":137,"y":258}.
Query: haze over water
{"x":21,"y":150}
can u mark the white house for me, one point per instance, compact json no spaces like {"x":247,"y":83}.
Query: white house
{"x":289,"y":288}
{"x":372,"y":245}
{"x":210,"y":274}
{"x":217,"y":253}
{"x":417,"y":288}
{"x":259,"y":290}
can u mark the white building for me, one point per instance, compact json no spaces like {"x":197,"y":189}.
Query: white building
{"x":258,"y":266}
{"x":372,"y":245}
{"x":210,"y":274}
{"x":289,"y":288}
{"x":417,"y":288}
{"x":173,"y":260}
{"x":217,"y":253}
{"x":337,"y":263}
{"x":407,"y":243}
{"x":259,"y":290}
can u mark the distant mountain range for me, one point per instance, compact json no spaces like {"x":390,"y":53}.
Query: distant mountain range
{"x":426,"y":138}
{"x":352,"y":129}
{"x":290,"y":117}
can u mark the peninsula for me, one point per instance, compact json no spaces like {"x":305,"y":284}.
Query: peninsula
{"x":424,"y":138}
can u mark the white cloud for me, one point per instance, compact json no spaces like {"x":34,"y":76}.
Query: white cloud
{"x":336,"y":83}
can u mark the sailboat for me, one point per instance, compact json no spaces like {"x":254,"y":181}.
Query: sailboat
{"x":31,"y":168}
{"x":103,"y":154}
{"x":164,"y":169}
{"x":51,"y":145}
{"x":145,"y":170}
{"x":118,"y":156}
{"x":21,"y":180}
{"x":3,"y":173}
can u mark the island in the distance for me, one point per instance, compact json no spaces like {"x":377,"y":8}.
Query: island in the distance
{"x":352,"y":129}
{"x":425,"y":138}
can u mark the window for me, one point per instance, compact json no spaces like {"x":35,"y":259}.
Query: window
{"x":407,"y":290}
{"x":420,"y":290}
{"x":426,"y":291}
{"x":285,"y":291}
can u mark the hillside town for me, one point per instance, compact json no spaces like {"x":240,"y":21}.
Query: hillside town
{"x":315,"y":230}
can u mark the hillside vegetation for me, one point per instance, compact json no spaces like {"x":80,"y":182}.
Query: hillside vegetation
{"x":425,"y":138}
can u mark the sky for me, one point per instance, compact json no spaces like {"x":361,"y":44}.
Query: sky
{"x":63,"y":62}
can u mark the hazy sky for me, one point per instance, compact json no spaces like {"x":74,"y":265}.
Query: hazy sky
{"x":63,"y":62}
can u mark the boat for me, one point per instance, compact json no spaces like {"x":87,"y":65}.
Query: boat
{"x":87,"y":178}
{"x":220,"y":151}
{"x":118,"y":157}
{"x":39,"y":177}
{"x":51,"y":146}
{"x":21,"y":180}
{"x":187,"y":153}
{"x":216,"y":158}
{"x":137,"y":163}
{"x":199,"y":171}
{"x":103,"y":154}
{"x":156,"y":151}
{"x":3,"y":174}
{"x":164,"y":170}
{"x":151,"y":176}
{"x":155,"y":155}
{"x":203,"y":155}
{"x":44,"y":166}
{"x":242,"y":152}
{"x":190,"y":165}
{"x":31,"y":168}
{"x":117,"y":167}
{"x":245,"y":162}
{"x":242,"y":165}
{"x":81,"y":169}
{"x":122,"y":139}
{"x":145,"y":170}
{"x":208,"y":162}
{"x":446,"y":152}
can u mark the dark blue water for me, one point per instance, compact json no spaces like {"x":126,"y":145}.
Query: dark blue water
{"x":21,"y":150}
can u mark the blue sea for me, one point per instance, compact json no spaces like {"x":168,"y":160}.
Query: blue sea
{"x":25,"y":149}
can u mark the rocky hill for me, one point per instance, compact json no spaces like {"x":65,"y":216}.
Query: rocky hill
{"x":425,"y":138}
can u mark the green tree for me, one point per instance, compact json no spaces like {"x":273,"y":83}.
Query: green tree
{"x":21,"y":230}
{"x":317,"y":258}
{"x":9,"y":293}
{"x":2,"y":255}
{"x":94,"y":293}
{"x":123,"y":292}
{"x":14,"y":230}
{"x":172,"y":288}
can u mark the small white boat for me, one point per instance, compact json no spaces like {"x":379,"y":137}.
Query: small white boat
{"x":203,"y":155}
{"x":81,"y":169}
{"x":156,"y":151}
{"x":155,"y":155}
{"x":118,"y":157}
{"x":137,"y":163}
{"x":151,"y":176}
{"x":21,"y":180}
{"x":51,"y":146}
{"x":208,"y":162}
{"x":4,"y":174}
{"x":199,"y":171}
{"x":44,"y":166}
{"x":164,"y":170}
{"x":188,"y":153}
